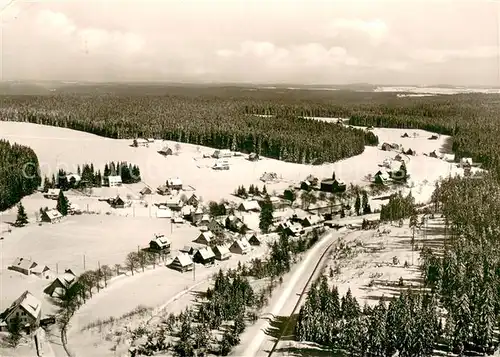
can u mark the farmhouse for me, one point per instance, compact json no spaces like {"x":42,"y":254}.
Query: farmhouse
{"x":278,"y":216}
{"x":146,"y":191}
{"x":27,"y":308}
{"x":204,"y":238}
{"x":306,"y":185}
{"x":165,"y":151}
{"x":268,"y":176}
{"x":163,"y":190}
{"x":51,"y":216}
{"x":140,"y":142}
{"x":42,"y":271}
{"x":220,"y":154}
{"x":240,"y":246}
{"x":332,"y":185}
{"x":254,"y":240}
{"x":249,"y":206}
{"x":117,"y":202}
{"x":182,"y":263}
{"x":204,"y":220}
{"x":215,"y":227}
{"x":174,"y":202}
{"x":188,"y":250}
{"x":196,"y":215}
{"x":174,"y":183}
{"x":465,"y":161}
{"x":60,"y":284}
{"x":74,"y":179}
{"x":23,"y":265}
{"x":386,"y":147}
{"x":235,"y":224}
{"x":163,"y":212}
{"x":221,"y":165}
{"x":221,"y":252}
{"x":113,"y":181}
{"x":204,"y":256}
{"x":381,"y":177}
{"x":313,"y":220}
{"x":52,"y":193}
{"x":294,"y":229}
{"x":253,"y":157}
{"x":160,"y":244}
{"x":194,"y":200}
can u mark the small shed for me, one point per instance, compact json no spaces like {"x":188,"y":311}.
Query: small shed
{"x":204,"y":256}
{"x":254,"y":240}
{"x":221,"y":252}
{"x":386,"y":147}
{"x":433,"y":154}
{"x":253,"y":157}
{"x":165,"y":151}
{"x":182,"y":263}
{"x":405,"y":135}
{"x":117,"y":202}
{"x":219,"y":154}
{"x":240,"y":246}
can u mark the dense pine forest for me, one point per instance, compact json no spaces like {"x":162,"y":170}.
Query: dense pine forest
{"x":458,"y":307}
{"x":19,"y":173}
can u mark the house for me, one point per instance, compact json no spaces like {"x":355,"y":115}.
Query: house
{"x":188,"y":250}
{"x":235,"y":224}
{"x":204,"y":256}
{"x":294,"y":229}
{"x":42,"y":271}
{"x":74,"y":208}
{"x":174,"y":202}
{"x":174,"y":183}
{"x":60,"y":284}
{"x":186,"y":211}
{"x":277,"y":202}
{"x":52,"y":193}
{"x":221,"y":252}
{"x":306,"y":185}
{"x":409,"y":152}
{"x":240,"y":246}
{"x":140,"y":142}
{"x":249,"y":206}
{"x":203,"y":221}
{"x":269,"y":176}
{"x":254,"y":240}
{"x":204,"y":238}
{"x":75,"y":179}
{"x":165,"y":151}
{"x":433,"y":137}
{"x":163,"y":190}
{"x":27,"y":308}
{"x":193,"y":200}
{"x":221,"y":165}
{"x":163,"y":212}
{"x":279,"y":216}
{"x":332,"y":185}
{"x":253,"y":157}
{"x":160,"y":244}
{"x":398,"y":157}
{"x":220,"y":154}
{"x":313,"y":220}
{"x":23,"y":265}
{"x":196,"y":215}
{"x":405,"y":135}
{"x":182,"y":263}
{"x":150,"y":140}
{"x":146,"y":191}
{"x":117,"y":202}
{"x":433,"y":154}
{"x":51,"y":216}
{"x":381,"y":177}
{"x":113,"y":181}
{"x":216,"y":227}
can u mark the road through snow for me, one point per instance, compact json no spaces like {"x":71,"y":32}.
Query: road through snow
{"x":283,"y":303}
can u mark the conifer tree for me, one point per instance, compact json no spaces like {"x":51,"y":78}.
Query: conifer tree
{"x":266,"y":215}
{"x":62,"y":204}
{"x":22,"y":217}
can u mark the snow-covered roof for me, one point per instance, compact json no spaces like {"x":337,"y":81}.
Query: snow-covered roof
{"x":174,"y":182}
{"x":206,"y":253}
{"x":250,"y":205}
{"x":314,"y":219}
{"x":115,"y":178}
{"x":173,"y":200}
{"x":184,"y":259}
{"x":40,"y":269}
{"x":23,"y":263}
{"x":28,"y":302}
{"x":466,"y":160}
{"x":53,"y":191}
{"x":242,"y":243}
{"x":75,"y":176}
{"x":141,"y":141}
{"x":223,"y":250}
{"x":207,"y":235}
{"x":163,"y":212}
{"x":161,"y":241}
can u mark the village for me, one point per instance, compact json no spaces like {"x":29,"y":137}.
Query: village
{"x":182,"y":223}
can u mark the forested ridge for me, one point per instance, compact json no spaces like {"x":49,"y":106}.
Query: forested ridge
{"x":19,"y":173}
{"x":218,"y":122}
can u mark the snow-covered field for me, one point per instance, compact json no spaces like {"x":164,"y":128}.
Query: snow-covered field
{"x":106,"y":239}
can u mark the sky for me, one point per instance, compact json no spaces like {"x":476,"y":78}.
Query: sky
{"x":252,"y":41}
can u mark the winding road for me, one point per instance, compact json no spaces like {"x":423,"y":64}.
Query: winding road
{"x":255,"y":341}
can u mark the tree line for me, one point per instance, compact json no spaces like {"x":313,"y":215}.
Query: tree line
{"x":19,"y":173}
{"x":218,"y":122}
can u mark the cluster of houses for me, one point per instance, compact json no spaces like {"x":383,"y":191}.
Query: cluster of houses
{"x":330,"y":185}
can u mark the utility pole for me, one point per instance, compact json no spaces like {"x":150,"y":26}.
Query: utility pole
{"x":84,"y":262}
{"x":194,"y":271}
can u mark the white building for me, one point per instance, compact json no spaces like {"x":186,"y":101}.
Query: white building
{"x":114,"y":181}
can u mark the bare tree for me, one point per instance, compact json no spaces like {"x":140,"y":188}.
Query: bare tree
{"x":132,"y":261}
{"x":106,"y":273}
{"x":118,"y":267}
{"x":142,"y":259}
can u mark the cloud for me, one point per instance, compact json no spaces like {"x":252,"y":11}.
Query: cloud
{"x":94,"y":41}
{"x":376,"y":30}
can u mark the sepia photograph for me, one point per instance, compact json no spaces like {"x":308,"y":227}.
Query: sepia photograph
{"x":249,"y":178}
